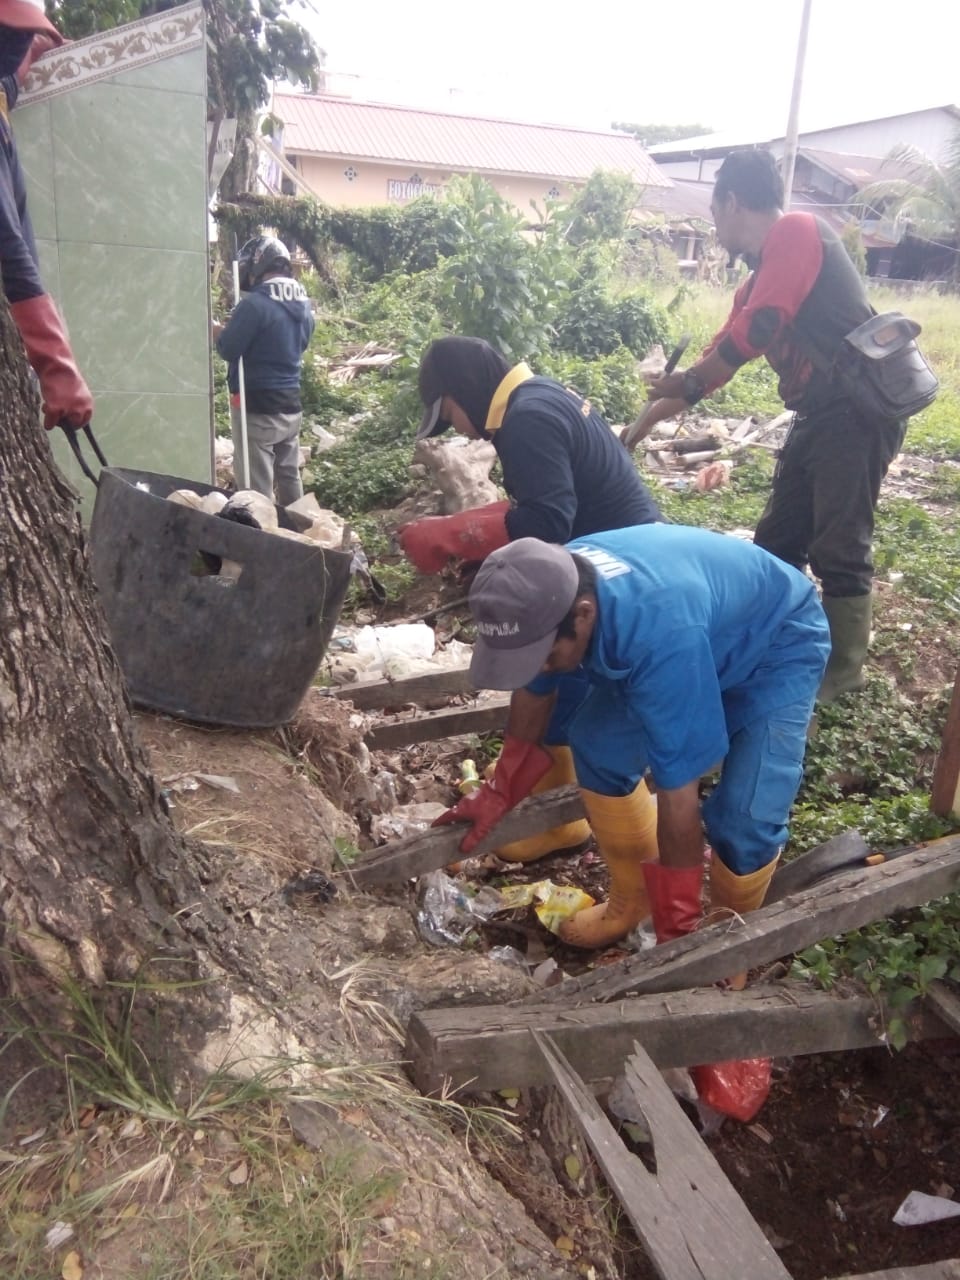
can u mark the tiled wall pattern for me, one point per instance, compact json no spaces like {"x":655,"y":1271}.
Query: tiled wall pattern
{"x":112,"y":135}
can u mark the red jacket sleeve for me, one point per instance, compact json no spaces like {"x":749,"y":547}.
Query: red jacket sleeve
{"x":790,"y":263}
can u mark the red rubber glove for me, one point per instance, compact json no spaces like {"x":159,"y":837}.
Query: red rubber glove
{"x":468,"y":535}
{"x":66,"y":397}
{"x":519,"y":769}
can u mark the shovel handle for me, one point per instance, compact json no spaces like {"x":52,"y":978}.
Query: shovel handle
{"x":72,"y":433}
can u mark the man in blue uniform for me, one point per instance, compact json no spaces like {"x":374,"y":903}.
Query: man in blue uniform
{"x":269,"y":329}
{"x":567,"y":475}
{"x":658,"y":647}
{"x":25,"y":33}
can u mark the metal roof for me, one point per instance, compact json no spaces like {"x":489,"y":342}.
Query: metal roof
{"x":713,"y":144}
{"x":858,"y":170}
{"x":327,"y":126}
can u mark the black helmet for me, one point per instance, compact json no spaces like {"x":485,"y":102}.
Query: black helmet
{"x":260,"y":256}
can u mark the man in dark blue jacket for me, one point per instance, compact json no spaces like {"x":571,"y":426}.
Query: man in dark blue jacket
{"x":25,"y":33}
{"x":565,"y":471}
{"x":269,"y":330}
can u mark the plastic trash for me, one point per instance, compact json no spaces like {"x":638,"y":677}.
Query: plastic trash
{"x":447,"y":913}
{"x":919,"y":1208}
{"x":410,"y":640}
{"x":405,"y":820}
{"x":469,"y":778}
{"x":552,"y":903}
{"x":508,"y":955}
{"x":737,"y":1089}
{"x":713,"y":476}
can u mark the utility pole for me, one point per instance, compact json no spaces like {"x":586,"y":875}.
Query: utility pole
{"x":793,"y":121}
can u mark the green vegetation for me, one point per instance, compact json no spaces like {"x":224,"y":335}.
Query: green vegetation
{"x":165,"y":1182}
{"x":578,"y":290}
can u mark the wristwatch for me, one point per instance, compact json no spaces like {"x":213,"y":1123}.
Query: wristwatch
{"x":693,"y":388}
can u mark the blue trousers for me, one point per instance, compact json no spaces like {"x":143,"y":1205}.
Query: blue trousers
{"x":746,"y":814}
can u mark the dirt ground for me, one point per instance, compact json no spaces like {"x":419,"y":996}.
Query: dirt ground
{"x":842,"y":1139}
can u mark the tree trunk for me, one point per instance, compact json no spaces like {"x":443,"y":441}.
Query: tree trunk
{"x":91,"y":869}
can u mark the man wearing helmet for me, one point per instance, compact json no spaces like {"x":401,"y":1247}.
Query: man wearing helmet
{"x":25,"y":33}
{"x":269,"y":330}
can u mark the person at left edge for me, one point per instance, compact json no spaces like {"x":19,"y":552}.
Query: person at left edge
{"x":567,"y":475}
{"x":25,"y":33}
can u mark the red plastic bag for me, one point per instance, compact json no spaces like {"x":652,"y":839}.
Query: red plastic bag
{"x":738,"y":1089}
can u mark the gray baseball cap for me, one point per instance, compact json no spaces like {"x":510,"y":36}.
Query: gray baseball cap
{"x":519,"y":597}
{"x":431,"y":424}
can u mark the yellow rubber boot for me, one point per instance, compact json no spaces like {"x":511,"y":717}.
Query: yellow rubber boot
{"x":626,"y":832}
{"x":737,"y":895}
{"x":565,"y":836}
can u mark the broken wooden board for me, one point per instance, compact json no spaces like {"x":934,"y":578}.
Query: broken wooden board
{"x":945,"y":1003}
{"x":428,"y":726}
{"x":418,"y":854}
{"x":691,"y":1221}
{"x":949,"y":1269}
{"x":400,"y":693}
{"x":945,"y":792}
{"x":486,"y":1048}
{"x":846,"y":901}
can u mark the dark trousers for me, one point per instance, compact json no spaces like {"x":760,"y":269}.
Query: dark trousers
{"x":825,"y":491}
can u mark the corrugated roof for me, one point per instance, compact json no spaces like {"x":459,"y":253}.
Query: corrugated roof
{"x":858,"y":170}
{"x":687,"y":199}
{"x":318,"y":125}
{"x":707,"y":144}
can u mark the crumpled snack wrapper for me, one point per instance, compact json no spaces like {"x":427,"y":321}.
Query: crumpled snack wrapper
{"x":554,"y":903}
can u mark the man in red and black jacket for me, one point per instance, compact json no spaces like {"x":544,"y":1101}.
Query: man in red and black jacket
{"x":25,"y":33}
{"x":801,"y":298}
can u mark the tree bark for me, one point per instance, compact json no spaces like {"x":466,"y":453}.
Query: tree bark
{"x":91,"y":869}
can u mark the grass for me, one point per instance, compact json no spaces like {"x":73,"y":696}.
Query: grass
{"x":164,"y":1184}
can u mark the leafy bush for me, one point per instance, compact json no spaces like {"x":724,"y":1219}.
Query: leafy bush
{"x":498,"y":285}
{"x":323,"y":399}
{"x":354,"y":477}
{"x":392,"y":238}
{"x":611,"y":383}
{"x":641,"y":322}
{"x":592,"y":323}
{"x":587,"y":324}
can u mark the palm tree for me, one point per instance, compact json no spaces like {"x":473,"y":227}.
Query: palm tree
{"x":927,"y":196}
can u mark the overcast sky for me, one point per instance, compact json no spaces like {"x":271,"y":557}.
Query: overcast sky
{"x":724,"y":63}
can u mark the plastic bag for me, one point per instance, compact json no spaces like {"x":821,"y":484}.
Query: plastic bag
{"x":406,"y":639}
{"x":554,"y":903}
{"x":447,"y":913}
{"x":737,"y":1088}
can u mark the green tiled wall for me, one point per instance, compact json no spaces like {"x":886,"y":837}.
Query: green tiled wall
{"x":116,"y":172}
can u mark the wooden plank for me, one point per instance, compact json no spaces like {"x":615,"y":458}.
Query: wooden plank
{"x":399,"y":693}
{"x":483,"y":1048}
{"x":428,"y":726}
{"x":691,"y":1221}
{"x":435,"y":848}
{"x":945,"y":793}
{"x":945,"y":1004}
{"x":949,"y":1269}
{"x":846,"y":901}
